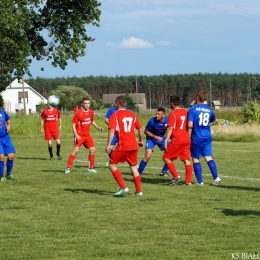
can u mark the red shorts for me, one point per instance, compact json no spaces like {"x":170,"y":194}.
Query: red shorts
{"x":87,"y":141}
{"x":123,"y":156}
{"x":48,"y":135}
{"x":177,"y":150}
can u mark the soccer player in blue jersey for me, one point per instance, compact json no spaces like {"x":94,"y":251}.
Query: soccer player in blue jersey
{"x":155,"y":135}
{"x":6,"y":147}
{"x":200,"y":119}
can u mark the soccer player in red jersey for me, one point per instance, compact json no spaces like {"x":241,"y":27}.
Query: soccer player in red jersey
{"x":123,"y":123}
{"x":81,"y":122}
{"x":51,"y":126}
{"x":179,"y":146}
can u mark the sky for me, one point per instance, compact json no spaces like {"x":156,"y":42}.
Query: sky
{"x":156,"y":37}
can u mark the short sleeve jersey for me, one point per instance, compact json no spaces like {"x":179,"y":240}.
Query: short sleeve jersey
{"x":3,"y":119}
{"x":83,"y":120}
{"x":50,"y":117}
{"x":157,"y":127}
{"x":124,"y":122}
{"x":201,"y":115}
{"x":110,"y":112}
{"x":178,"y":120}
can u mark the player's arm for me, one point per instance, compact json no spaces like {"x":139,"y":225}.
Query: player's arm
{"x":111,"y":133}
{"x":148,"y":133}
{"x":8,"y":125}
{"x":60,"y":125}
{"x":107,"y":121}
{"x":41,"y":125}
{"x":167,"y":136}
{"x":96,"y":126}
{"x":140,"y":135}
{"x":190,"y":124}
{"x":75,"y":131}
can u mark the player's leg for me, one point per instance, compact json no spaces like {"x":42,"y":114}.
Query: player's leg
{"x":118,"y":156}
{"x":207,"y":152}
{"x":9,"y":150}
{"x":171,"y":153}
{"x":145,"y":160}
{"x":132,"y":161}
{"x":58,"y":149}
{"x":72,"y":157}
{"x":148,"y":153}
{"x":113,"y":143}
{"x":165,"y":167}
{"x":2,"y":165}
{"x":196,"y":154}
{"x":50,"y":149}
{"x":9,"y":166}
{"x":91,"y":159}
{"x":185,"y":157}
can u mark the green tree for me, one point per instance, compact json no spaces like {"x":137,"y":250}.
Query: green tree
{"x":251,"y":112}
{"x":43,"y":29}
{"x":1,"y":102}
{"x":129,"y":101}
{"x":71,"y":96}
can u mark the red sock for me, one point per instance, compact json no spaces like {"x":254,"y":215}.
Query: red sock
{"x":188,"y":173}
{"x":91,"y":159}
{"x":173,"y":170}
{"x":118,"y":177}
{"x":137,"y":182}
{"x":71,"y":161}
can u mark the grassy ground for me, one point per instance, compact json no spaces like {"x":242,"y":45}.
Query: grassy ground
{"x":49,"y":215}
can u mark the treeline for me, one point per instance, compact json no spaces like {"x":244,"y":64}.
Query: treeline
{"x":229,"y":89}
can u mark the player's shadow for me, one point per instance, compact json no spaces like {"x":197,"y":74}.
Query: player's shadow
{"x":99,"y":192}
{"x":33,"y":158}
{"x":235,"y":213}
{"x":238,"y":187}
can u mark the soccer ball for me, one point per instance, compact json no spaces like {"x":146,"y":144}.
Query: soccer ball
{"x":53,"y":100}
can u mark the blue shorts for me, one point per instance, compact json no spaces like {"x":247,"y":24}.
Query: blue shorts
{"x":150,"y":143}
{"x":6,"y":145}
{"x":114,"y":140}
{"x":199,"y":150}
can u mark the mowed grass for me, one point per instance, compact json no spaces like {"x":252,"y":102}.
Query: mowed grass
{"x":46,"y":214}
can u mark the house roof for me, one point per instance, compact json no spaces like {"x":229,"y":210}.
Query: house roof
{"x":216,"y":103}
{"x":15,"y":84}
{"x":137,"y":97}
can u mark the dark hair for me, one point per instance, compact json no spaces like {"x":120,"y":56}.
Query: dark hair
{"x":175,"y":100}
{"x":161,"y":109}
{"x":202,"y":96}
{"x":85,"y":98}
{"x":120,"y":100}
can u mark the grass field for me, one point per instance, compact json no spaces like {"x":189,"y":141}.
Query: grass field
{"x":46,"y":214}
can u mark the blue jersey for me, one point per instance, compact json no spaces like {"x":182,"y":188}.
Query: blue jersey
{"x":201,"y":115}
{"x":3,"y":119}
{"x":110,"y":112}
{"x":157,"y":127}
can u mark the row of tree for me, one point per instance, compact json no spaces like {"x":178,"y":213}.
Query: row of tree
{"x":229,"y":89}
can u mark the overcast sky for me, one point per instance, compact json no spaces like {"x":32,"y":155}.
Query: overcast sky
{"x":154,"y":37}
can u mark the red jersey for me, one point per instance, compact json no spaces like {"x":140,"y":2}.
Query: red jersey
{"x":50,"y":117}
{"x":83,"y":120}
{"x":124,"y":122}
{"x":178,"y":120}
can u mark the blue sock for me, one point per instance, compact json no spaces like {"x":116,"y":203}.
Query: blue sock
{"x":2,"y":165}
{"x":198,"y":171}
{"x":213,"y":168}
{"x":9,"y":167}
{"x":142,"y":165}
{"x":165,"y":168}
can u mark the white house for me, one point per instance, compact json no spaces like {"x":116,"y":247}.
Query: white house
{"x":16,"y":92}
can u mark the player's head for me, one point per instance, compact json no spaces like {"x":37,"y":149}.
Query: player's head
{"x":160,"y":113}
{"x":86,"y":103}
{"x":174,"y":101}
{"x":201,"y":96}
{"x":120,"y":102}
